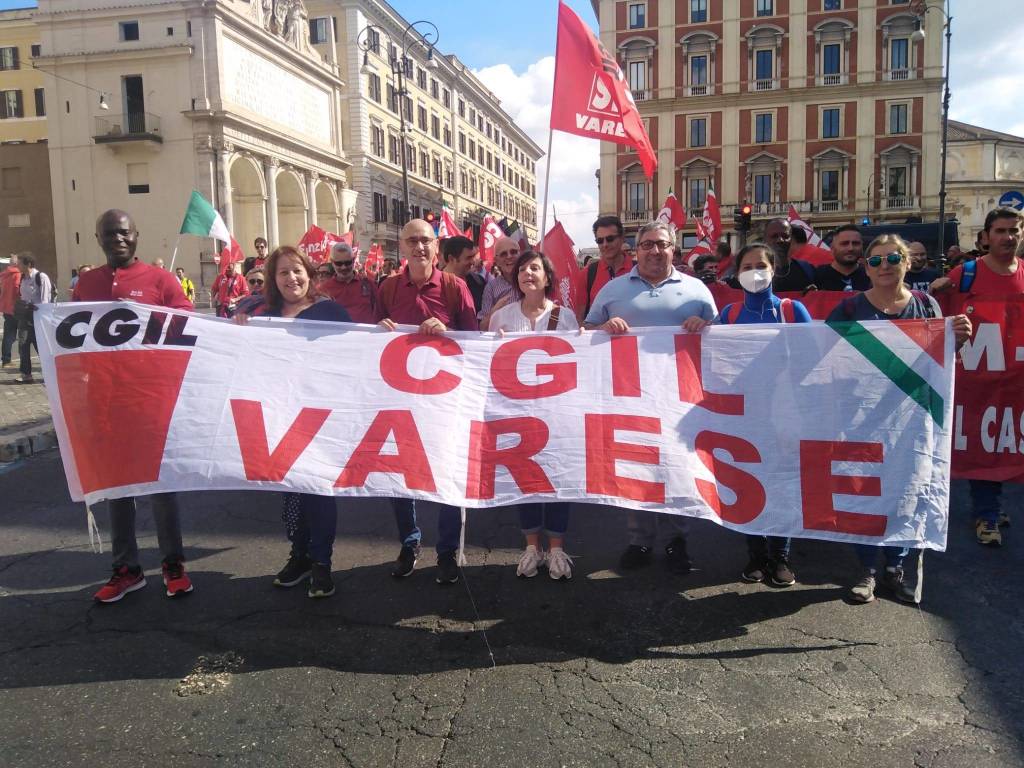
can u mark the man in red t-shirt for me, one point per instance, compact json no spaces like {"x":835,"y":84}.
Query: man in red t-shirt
{"x":613,"y":263}
{"x":997,"y":273}
{"x":423,"y":295}
{"x":357,"y":294}
{"x":125,"y":277}
{"x":10,"y":290}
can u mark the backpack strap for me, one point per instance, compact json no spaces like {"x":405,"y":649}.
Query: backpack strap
{"x":553,"y":318}
{"x":788,"y":315}
{"x":967,"y":274}
{"x":731,"y":313}
{"x":591,"y":279}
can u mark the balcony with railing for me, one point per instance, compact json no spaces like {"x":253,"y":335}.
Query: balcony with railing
{"x":642,"y":95}
{"x":899,"y":202}
{"x":899,"y":74}
{"x":835,"y":78}
{"x":764,"y":85}
{"x":702,"y":89}
{"x":134,"y":126}
{"x":636,"y":217}
{"x":828,"y":206}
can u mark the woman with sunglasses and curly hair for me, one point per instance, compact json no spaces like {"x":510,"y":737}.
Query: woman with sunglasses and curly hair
{"x":889,"y":298}
{"x":311,"y":521}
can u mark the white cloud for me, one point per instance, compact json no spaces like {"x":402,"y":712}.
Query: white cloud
{"x":526,"y":97}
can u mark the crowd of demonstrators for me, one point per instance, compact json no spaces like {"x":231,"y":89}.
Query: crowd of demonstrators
{"x":311,"y":521}
{"x":10,"y":292}
{"x":125,"y":277}
{"x":530,"y":309}
{"x":642,"y":298}
{"x":888,"y":281}
{"x":997,"y":273}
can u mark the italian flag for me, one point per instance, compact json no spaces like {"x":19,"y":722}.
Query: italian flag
{"x":202,"y":219}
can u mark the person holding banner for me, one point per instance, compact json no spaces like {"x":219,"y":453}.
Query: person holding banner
{"x":311,"y":521}
{"x":125,"y":277}
{"x":889,"y":298}
{"x":755,"y":268}
{"x":997,"y":273}
{"x":653,"y":293}
{"x":424,"y":296}
{"x":535,"y":312}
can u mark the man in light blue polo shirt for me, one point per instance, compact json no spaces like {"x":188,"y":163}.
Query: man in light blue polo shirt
{"x":653,"y":293}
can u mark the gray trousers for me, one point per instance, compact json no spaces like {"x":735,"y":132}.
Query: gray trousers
{"x":122,"y":528}
{"x":644,"y":527}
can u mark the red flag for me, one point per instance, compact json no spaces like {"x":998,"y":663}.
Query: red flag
{"x":712,"y":218}
{"x":812,"y":254}
{"x":489,"y":234}
{"x":447,"y":228}
{"x":559,"y":248}
{"x":230,"y":255}
{"x":591,"y":97}
{"x":812,"y":237}
{"x":374,"y":259}
{"x":672,"y":212}
{"x":317,"y":243}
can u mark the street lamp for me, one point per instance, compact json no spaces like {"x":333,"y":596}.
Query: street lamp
{"x":918,"y":36}
{"x":368,"y":40}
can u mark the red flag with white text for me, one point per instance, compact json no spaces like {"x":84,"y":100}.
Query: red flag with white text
{"x":317,"y":243}
{"x":590,"y":96}
{"x":712,"y":218}
{"x":560,"y":250}
{"x":813,"y":238}
{"x":489,"y":234}
{"x":447,"y":227}
{"x":672,"y":212}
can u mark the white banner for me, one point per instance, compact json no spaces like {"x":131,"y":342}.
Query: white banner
{"x":808,"y":430}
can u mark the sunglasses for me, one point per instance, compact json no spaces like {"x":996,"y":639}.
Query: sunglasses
{"x":892,"y":258}
{"x":255,"y":282}
{"x":342,"y":264}
{"x":603,"y":240}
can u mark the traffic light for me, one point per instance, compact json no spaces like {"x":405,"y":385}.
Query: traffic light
{"x":741,"y":216}
{"x":432,"y":219}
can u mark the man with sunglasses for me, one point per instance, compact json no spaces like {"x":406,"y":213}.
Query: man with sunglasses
{"x":845,"y":273}
{"x":652,"y":293}
{"x":422,"y":295}
{"x":613,"y":263}
{"x":997,"y":273}
{"x":358,"y":295}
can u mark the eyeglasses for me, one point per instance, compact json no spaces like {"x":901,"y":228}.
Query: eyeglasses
{"x":255,"y":282}
{"x":650,"y":245}
{"x":603,"y":240}
{"x":892,"y":258}
{"x":412,"y":242}
{"x":342,"y":264}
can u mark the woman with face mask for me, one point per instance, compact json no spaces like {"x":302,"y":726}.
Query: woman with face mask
{"x":755,"y":268}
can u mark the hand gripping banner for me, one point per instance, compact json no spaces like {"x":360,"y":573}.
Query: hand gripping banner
{"x":832,"y":432}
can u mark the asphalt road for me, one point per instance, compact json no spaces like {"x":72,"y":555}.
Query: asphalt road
{"x":645,"y":669}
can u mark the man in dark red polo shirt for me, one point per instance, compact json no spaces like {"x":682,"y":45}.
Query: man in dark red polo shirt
{"x":424,"y":296}
{"x":125,"y":277}
{"x":613,"y":263}
{"x":356,"y":293}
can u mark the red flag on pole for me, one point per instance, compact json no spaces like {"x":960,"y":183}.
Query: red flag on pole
{"x":672,"y":212}
{"x":712,"y":218}
{"x":317,"y":243}
{"x":489,"y":234}
{"x":447,"y":228}
{"x":559,"y":248}
{"x":812,"y":237}
{"x":591,"y":97}
{"x":231,"y":253}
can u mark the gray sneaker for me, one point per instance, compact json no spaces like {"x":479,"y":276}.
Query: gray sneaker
{"x":864,"y":590}
{"x":907,"y":583}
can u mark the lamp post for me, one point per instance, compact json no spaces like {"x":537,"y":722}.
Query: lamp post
{"x":368,"y":40}
{"x":918,"y":36}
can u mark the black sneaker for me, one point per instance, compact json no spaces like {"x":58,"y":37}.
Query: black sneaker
{"x":780,"y":574}
{"x":295,"y":571}
{"x":406,"y":561}
{"x":447,"y":568}
{"x":320,"y":583}
{"x":635,"y":557}
{"x":676,"y":558}
{"x":754,"y":570}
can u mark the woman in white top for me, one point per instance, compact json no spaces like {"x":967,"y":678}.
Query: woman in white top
{"x":531,"y":310}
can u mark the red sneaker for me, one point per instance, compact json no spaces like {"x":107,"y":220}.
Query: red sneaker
{"x":123,"y":581}
{"x":175,"y":579}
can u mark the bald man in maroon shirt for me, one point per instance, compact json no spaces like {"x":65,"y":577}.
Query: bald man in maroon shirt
{"x":125,"y":277}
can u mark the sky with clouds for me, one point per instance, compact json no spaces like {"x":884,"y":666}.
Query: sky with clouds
{"x":511,"y":47}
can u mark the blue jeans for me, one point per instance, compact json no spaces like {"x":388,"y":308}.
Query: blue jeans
{"x":449,"y":525}
{"x":985,"y":499}
{"x":867,"y":554}
{"x":318,"y":524}
{"x":551,"y":517}
{"x":768,"y":546}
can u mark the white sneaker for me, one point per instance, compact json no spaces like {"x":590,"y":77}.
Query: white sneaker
{"x":559,"y":564}
{"x":529,"y":562}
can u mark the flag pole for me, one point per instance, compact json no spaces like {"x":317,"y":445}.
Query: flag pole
{"x":174,"y":254}
{"x":547,"y":182}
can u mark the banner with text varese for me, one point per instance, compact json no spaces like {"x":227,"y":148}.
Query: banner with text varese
{"x":834,"y":432}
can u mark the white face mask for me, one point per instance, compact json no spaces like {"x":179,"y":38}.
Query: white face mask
{"x":755,"y":280}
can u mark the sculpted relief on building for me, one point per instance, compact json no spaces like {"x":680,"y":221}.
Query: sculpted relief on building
{"x":286,"y":19}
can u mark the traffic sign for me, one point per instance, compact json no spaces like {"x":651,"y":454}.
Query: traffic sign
{"x":1012,"y":199}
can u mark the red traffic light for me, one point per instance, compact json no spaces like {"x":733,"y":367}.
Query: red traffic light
{"x":430,"y":217}
{"x":746,"y":210}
